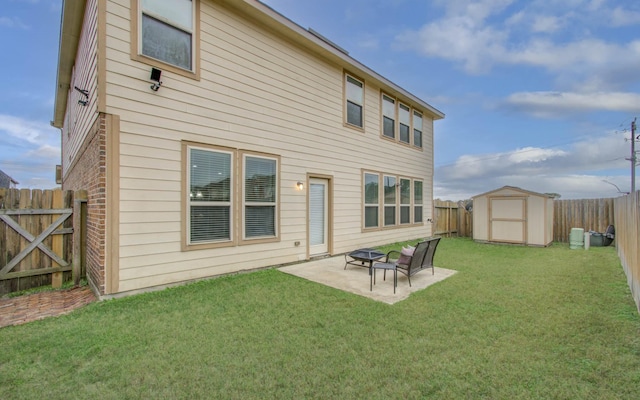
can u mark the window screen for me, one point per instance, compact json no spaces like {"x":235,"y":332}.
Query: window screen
{"x":417,"y":129}
{"x":417,"y":201}
{"x":388,"y":117}
{"x":404,"y":118}
{"x":355,"y":99}
{"x":389,"y":200}
{"x":371,"y":200}
{"x":259,"y":197}
{"x":210,"y":196}
{"x":405,"y":201}
{"x":167,"y":31}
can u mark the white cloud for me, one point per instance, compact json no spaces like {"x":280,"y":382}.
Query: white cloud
{"x":558,"y":104}
{"x":546,"y":24}
{"x":29,"y":131}
{"x":29,"y":151}
{"x":484,"y":34}
{"x":45,"y":152}
{"x":575,"y":172}
{"x":12,"y":22}
{"x":622,"y":17}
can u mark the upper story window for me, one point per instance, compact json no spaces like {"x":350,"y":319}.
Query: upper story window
{"x":354,"y":93}
{"x":404,"y":123}
{"x":167,"y":31}
{"x":164,"y":33}
{"x":417,"y":129}
{"x":388,"y":117}
{"x":403,"y":118}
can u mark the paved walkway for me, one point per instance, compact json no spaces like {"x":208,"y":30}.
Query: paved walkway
{"x":32,"y":307}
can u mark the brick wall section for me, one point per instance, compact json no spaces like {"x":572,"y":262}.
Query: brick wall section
{"x":88,"y":171}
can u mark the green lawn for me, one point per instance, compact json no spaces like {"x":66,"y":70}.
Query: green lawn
{"x":514,"y":323}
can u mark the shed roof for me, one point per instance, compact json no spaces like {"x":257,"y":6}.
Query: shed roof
{"x":6,"y":180}
{"x":524,"y":191}
{"x":71,"y":28}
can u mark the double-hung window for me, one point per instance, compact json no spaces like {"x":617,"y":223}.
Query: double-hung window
{"x":230,"y":197}
{"x":405,"y":201}
{"x":260,"y":197}
{"x":167,"y":31}
{"x":417,"y":202}
{"x":210,"y":204}
{"x":354,"y":93}
{"x":398,"y":202}
{"x":388,"y":117}
{"x":371,"y":200}
{"x":417,"y":129}
{"x":404,"y":122}
{"x":389,"y":200}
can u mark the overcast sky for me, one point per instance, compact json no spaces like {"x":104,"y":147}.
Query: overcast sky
{"x":537,"y":94}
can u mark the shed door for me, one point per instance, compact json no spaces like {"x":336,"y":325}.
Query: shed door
{"x":507,"y":219}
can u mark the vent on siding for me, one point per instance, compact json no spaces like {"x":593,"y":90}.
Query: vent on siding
{"x":327,"y":41}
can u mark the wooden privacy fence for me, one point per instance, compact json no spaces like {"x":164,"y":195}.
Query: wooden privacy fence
{"x":588,"y":214}
{"x":627,"y":217}
{"x":451,"y":218}
{"x":42,"y":238}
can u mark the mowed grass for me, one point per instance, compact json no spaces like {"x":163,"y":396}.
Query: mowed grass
{"x":513,"y":323}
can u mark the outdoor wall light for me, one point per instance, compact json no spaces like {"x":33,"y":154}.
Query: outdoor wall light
{"x":155,"y":78}
{"x":300,"y":185}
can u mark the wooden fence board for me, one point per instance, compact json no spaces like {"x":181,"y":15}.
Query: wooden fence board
{"x":450,"y":218}
{"x":36,"y":242}
{"x":627,"y":217}
{"x":589,"y":214}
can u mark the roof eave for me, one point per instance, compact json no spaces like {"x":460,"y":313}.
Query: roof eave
{"x":70,"y":30}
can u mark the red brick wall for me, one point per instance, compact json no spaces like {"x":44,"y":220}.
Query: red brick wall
{"x":88,"y":171}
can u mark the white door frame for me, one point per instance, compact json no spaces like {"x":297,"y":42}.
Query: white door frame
{"x":327,"y":247}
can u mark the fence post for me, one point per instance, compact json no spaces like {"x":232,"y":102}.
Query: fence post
{"x":57,"y":242}
{"x":79,"y":235}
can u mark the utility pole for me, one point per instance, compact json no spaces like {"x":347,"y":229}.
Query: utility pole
{"x":633,"y":156}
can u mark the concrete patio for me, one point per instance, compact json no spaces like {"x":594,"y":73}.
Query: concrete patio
{"x":331,"y":272}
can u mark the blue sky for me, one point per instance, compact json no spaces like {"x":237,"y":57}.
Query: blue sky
{"x":537,"y":94}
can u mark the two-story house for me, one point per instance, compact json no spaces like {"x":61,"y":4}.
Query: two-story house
{"x":215,"y":136}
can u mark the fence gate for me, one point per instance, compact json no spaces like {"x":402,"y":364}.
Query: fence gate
{"x":37,"y":237}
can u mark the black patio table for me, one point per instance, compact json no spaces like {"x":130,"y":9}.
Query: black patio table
{"x":360,"y":257}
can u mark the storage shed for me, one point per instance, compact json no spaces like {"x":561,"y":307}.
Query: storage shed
{"x":513,"y":215}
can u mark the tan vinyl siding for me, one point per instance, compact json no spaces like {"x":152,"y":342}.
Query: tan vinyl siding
{"x":257,"y":92}
{"x":79,"y":119}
